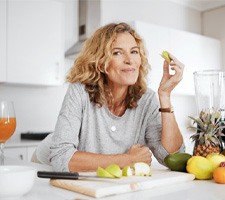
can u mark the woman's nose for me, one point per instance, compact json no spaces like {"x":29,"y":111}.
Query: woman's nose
{"x":127,"y":59}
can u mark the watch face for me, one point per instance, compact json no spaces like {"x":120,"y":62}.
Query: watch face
{"x":172,"y":110}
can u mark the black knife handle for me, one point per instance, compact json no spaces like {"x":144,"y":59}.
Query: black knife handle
{"x":58,"y":175}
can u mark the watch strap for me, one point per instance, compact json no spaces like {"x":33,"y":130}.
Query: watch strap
{"x":169,"y":110}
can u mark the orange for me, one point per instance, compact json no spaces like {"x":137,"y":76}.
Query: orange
{"x":219,"y":175}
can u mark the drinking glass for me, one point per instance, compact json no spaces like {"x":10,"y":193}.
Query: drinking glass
{"x":7,"y":125}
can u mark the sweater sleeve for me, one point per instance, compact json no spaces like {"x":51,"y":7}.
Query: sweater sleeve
{"x":65,"y":139}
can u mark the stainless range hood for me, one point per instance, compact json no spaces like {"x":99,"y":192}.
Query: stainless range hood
{"x":89,"y":21}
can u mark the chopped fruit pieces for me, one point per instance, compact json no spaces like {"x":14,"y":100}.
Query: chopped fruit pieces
{"x":127,"y":171}
{"x":114,"y":170}
{"x":103,"y":173}
{"x":142,"y":169}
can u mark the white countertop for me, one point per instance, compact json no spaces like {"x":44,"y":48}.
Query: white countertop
{"x":191,"y":190}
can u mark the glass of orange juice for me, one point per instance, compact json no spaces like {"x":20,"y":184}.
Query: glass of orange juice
{"x":7,"y":125}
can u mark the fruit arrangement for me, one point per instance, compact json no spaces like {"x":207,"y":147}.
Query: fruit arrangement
{"x":204,"y":168}
{"x":114,"y":171}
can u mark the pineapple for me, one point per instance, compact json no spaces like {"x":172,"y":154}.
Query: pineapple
{"x":208,"y":133}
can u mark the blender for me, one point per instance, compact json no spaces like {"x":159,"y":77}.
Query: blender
{"x":210,"y":92}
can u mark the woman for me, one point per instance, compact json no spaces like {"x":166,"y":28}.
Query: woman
{"x":108,"y":114}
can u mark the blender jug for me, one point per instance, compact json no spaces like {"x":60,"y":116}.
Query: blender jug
{"x":210,"y":92}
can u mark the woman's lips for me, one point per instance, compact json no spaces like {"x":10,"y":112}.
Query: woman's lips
{"x":128,"y":70}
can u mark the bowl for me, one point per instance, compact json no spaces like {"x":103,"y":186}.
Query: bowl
{"x":16,"y":180}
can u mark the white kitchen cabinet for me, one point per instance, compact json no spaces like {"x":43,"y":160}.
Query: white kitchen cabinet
{"x":2,"y":40}
{"x":20,"y":152}
{"x":197,"y":52}
{"x":30,"y":152}
{"x":35,"y":39}
{"x":16,"y":152}
{"x":18,"y":148}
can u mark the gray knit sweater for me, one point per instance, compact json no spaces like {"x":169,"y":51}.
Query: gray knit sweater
{"x":83,"y":126}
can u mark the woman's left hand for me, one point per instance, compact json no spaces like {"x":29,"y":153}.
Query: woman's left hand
{"x":168,"y":81}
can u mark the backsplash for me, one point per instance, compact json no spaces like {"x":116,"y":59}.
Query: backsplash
{"x":36,"y":108}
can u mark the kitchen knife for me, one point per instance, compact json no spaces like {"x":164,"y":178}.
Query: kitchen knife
{"x":63,"y":175}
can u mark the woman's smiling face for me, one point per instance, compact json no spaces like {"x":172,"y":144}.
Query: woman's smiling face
{"x":123,"y":69}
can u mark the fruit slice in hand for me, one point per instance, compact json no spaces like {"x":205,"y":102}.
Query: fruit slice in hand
{"x":142,"y":169}
{"x":114,"y":170}
{"x":165,"y":55}
{"x":127,"y":171}
{"x":103,"y":173}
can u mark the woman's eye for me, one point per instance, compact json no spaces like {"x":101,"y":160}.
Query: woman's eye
{"x":116,"y":53}
{"x":135,"y":52}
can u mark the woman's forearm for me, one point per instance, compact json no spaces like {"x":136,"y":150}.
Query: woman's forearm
{"x":85,"y":161}
{"x":171,"y":135}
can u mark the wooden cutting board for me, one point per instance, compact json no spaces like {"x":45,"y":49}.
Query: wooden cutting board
{"x":102,"y":187}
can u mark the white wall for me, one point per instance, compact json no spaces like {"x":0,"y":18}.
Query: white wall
{"x":213,"y":25}
{"x":37,"y":107}
{"x":161,"y":12}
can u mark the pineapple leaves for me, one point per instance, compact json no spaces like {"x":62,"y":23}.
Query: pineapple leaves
{"x":209,"y":126}
{"x":198,"y":122}
{"x":215,"y":140}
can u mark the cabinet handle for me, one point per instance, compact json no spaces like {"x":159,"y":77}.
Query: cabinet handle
{"x":21,"y":157}
{"x":57,"y":70}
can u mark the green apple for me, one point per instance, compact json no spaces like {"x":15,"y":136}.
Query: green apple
{"x":215,"y":159}
{"x":165,"y":55}
{"x":127,"y":171}
{"x":103,"y":173}
{"x":142,"y":169}
{"x":114,"y":170}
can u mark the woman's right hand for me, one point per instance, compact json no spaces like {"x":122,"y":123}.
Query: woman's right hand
{"x":140,"y":153}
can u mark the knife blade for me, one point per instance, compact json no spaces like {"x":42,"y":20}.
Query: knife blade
{"x":63,"y":175}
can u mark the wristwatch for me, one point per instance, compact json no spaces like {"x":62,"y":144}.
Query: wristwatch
{"x":169,"y":110}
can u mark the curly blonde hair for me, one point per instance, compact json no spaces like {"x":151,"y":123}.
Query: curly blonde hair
{"x":92,"y":62}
